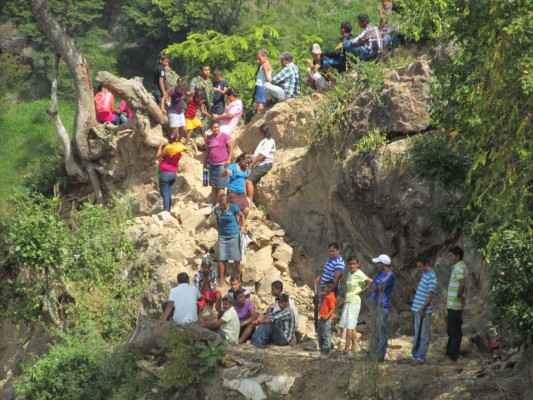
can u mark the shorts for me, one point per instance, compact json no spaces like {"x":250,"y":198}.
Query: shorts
{"x":258,"y":172}
{"x":214,"y":176}
{"x":176,"y":120}
{"x":260,"y":94}
{"x":191,"y":124}
{"x":212,"y":296}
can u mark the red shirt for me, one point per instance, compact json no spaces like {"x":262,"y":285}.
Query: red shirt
{"x":329,"y":303}
{"x":192,"y":108}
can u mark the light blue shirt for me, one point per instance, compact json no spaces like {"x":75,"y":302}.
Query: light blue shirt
{"x":427,"y":285}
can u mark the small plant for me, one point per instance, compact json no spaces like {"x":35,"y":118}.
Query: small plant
{"x":370,"y":142}
{"x":211,"y":356}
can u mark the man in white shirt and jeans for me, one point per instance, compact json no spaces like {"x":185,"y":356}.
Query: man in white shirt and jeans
{"x":261,"y":160}
{"x":183,"y":299}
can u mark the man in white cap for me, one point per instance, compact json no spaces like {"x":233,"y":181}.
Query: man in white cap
{"x":380,"y":292}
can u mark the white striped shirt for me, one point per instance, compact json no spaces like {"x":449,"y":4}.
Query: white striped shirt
{"x":427,"y":285}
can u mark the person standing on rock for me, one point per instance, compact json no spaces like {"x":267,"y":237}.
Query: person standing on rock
{"x":229,"y":120}
{"x":327,"y":312}
{"x":380,"y":292}
{"x":169,"y":157}
{"x":422,"y":309}
{"x":230,"y":223}
{"x":286,"y":83}
{"x":159,"y":83}
{"x":276,"y":327}
{"x":238,"y":172}
{"x":182,"y":299}
{"x":175,"y":114}
{"x":202,"y":83}
{"x":356,"y":283}
{"x":205,"y":281}
{"x":218,"y":155}
{"x":455,"y":304}
{"x":264,"y":74}
{"x":333,"y":268}
{"x":262,"y":160}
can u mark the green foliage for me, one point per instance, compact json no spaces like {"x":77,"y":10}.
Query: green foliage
{"x":424,"y":19}
{"x":370,"y":142}
{"x":434,"y":158}
{"x":189,"y":358}
{"x":79,"y":366}
{"x":14,"y":76}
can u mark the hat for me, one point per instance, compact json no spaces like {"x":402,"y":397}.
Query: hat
{"x":207,"y":261}
{"x":383,"y":258}
{"x":228,"y":298}
{"x":283,"y":297}
{"x":315,"y":49}
{"x":286,"y":56}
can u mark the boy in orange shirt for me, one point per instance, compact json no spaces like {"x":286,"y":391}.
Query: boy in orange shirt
{"x":326,"y":317}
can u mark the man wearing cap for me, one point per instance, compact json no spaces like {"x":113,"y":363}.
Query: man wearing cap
{"x":314,"y":78}
{"x":228,"y":326}
{"x":206,"y":282}
{"x":276,"y":327}
{"x":286,"y":83}
{"x":380,"y":292}
{"x":183,"y":300}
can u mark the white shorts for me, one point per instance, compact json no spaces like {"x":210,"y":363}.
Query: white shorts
{"x":176,"y":120}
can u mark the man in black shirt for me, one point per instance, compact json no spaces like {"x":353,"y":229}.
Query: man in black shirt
{"x":160,"y":80}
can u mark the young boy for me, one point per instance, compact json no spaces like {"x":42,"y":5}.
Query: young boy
{"x":205,"y":281}
{"x":326,"y":317}
{"x":192,"y":122}
{"x":220,"y":88}
{"x":236,"y":285}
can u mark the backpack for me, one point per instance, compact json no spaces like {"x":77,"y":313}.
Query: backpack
{"x":103,"y":101}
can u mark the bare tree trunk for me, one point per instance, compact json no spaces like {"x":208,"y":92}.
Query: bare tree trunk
{"x":78,"y":68}
{"x":72,"y":167}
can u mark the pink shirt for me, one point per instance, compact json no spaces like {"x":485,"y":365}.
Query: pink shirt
{"x":218,"y":150}
{"x":123,"y":106}
{"x":169,"y":164}
{"x":229,"y":125}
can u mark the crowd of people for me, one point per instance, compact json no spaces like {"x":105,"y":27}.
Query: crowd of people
{"x":236,"y":319}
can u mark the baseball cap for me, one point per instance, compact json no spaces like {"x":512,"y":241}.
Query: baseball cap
{"x":207,"y":261}
{"x":286,"y":56}
{"x":228,"y":298}
{"x":382,"y":258}
{"x":315,"y":49}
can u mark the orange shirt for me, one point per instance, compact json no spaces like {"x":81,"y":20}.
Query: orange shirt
{"x":327,"y":305}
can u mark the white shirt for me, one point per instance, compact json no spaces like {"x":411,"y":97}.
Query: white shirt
{"x":266,"y":147}
{"x":185,"y":297}
{"x":232,"y":325}
{"x":294,"y":311}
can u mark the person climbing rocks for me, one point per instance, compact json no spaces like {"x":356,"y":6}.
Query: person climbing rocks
{"x":237,"y":173}
{"x":169,"y":157}
{"x":380,"y":292}
{"x":422,"y":309}
{"x":262,"y":160}
{"x":175,"y":114}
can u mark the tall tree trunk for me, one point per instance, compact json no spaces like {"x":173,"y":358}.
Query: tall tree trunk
{"x":78,"y":68}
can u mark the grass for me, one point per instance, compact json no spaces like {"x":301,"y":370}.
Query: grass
{"x":27,"y":136}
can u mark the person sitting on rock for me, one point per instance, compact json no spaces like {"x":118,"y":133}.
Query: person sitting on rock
{"x":286,"y":83}
{"x":227,"y":325}
{"x":276,"y":327}
{"x":337,"y":58}
{"x":276,"y":289}
{"x":262,"y":160}
{"x":181,"y":302}
{"x":104,"y":103}
{"x":206,"y":281}
{"x":236,"y":285}
{"x":315,"y":78}
{"x":246,"y":312}
{"x":368,"y":45}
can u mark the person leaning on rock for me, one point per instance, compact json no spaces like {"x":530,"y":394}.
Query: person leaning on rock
{"x":183,"y":300}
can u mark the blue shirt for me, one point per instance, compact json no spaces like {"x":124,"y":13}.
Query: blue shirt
{"x":236,"y":180}
{"x":331,"y":266}
{"x":382,"y":287}
{"x":228,"y":225}
{"x":427,"y":285}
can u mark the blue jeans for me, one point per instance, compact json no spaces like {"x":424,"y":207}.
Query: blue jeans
{"x":387,"y":41}
{"x":268,"y":332}
{"x":166,"y":180}
{"x":425,"y":336}
{"x":324,"y":334}
{"x":378,"y":333}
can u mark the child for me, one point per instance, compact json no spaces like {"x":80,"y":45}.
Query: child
{"x":192,"y":122}
{"x":326,"y":317}
{"x":220,"y":87}
{"x":235,"y":284}
{"x":264,"y":74}
{"x":176,"y":118}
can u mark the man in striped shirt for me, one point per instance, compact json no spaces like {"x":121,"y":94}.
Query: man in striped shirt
{"x":455,"y":303}
{"x":333,"y":268}
{"x":422,"y":309}
{"x":368,"y":44}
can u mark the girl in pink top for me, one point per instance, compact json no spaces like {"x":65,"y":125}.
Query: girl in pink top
{"x":169,"y":157}
{"x":232,"y":113}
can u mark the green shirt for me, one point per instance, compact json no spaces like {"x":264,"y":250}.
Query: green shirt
{"x":355,"y":283}
{"x":459,"y":273}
